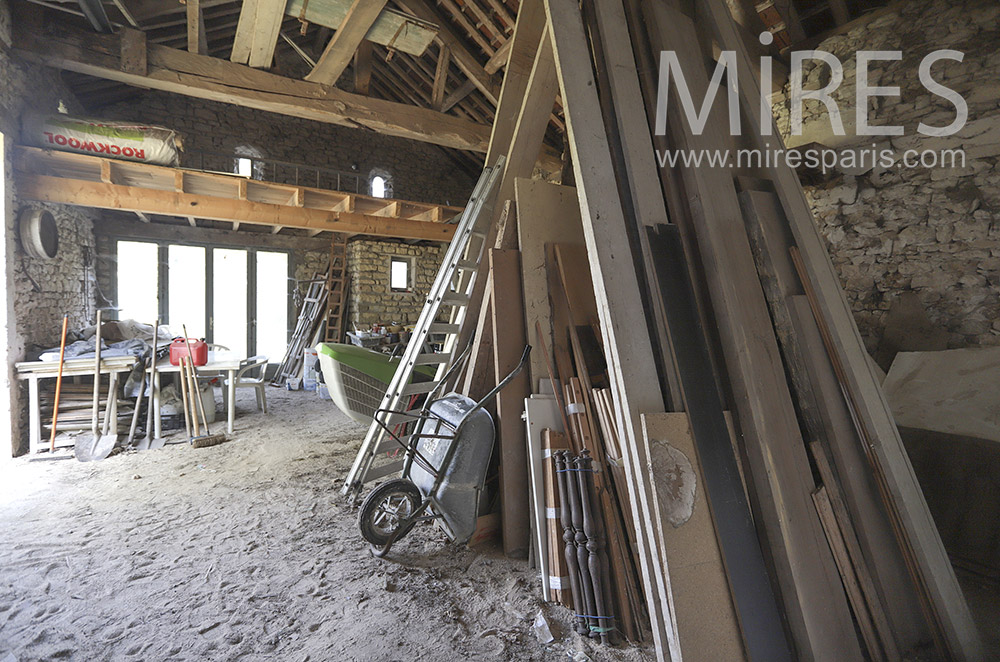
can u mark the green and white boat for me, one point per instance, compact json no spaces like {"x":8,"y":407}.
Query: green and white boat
{"x":357,"y":377}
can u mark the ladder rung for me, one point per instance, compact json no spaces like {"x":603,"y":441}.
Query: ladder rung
{"x":443,"y":327}
{"x":395,"y":418}
{"x":418,"y":388}
{"x":390,"y":445}
{"x":432,"y":359}
{"x":455,"y":299}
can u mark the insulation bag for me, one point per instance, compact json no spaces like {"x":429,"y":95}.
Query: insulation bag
{"x":117,"y":140}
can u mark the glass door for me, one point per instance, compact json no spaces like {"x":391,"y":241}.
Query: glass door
{"x":229,"y":299}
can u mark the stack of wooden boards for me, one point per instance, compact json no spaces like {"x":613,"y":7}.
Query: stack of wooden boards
{"x":798,"y":531}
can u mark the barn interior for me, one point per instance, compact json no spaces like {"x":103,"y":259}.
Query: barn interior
{"x":433,"y":329}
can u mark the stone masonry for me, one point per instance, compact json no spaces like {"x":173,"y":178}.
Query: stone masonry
{"x":372,"y":300}
{"x":932,"y":230}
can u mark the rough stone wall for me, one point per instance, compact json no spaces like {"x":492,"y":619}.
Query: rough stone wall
{"x":418,"y":171}
{"x":372,"y":300}
{"x":934,"y":230}
{"x":40,"y":291}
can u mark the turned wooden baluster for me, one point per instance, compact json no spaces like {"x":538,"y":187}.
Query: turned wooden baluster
{"x":569,"y":537}
{"x":582,"y":553}
{"x":593,"y":527}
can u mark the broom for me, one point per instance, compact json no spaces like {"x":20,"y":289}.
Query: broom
{"x":208,"y":439}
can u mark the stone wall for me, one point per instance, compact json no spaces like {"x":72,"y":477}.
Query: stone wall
{"x":39,"y":292}
{"x":372,"y":300}
{"x":417,"y":171}
{"x":932,"y":230}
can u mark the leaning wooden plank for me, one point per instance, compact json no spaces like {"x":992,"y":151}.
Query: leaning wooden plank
{"x":847,"y":574}
{"x":546,"y":213}
{"x":171,"y":70}
{"x":340,"y":49}
{"x":755,"y":600}
{"x":826,"y":416}
{"x":541,"y":413}
{"x":868,"y":400}
{"x":810,"y":589}
{"x":707,"y":625}
{"x":509,"y":339}
{"x":627,"y":347}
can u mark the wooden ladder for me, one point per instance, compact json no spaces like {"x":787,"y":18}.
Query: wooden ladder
{"x":336,"y":285}
{"x":453,"y":288}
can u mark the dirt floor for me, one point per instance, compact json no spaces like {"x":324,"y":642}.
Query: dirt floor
{"x":245,"y":551}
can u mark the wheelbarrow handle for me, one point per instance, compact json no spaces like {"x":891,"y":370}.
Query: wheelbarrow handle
{"x":506,"y":380}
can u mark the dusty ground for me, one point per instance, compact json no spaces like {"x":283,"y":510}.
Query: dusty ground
{"x":244,"y":551}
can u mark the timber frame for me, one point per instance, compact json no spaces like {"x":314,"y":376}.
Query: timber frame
{"x":91,"y":181}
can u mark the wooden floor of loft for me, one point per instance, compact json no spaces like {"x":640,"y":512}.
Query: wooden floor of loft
{"x":143,"y":189}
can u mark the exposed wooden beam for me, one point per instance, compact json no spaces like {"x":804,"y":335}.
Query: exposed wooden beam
{"x":463,"y":58}
{"x":471,"y":28}
{"x":99,"y":195}
{"x":440,"y":78}
{"x":192,"y":222}
{"x":499,"y":59}
{"x":133,"y":51}
{"x":180,"y":72}
{"x":345,"y":41}
{"x":116,"y":226}
{"x":257,"y":32}
{"x":363,"y":68}
{"x":197,"y":39}
{"x":456,"y":96}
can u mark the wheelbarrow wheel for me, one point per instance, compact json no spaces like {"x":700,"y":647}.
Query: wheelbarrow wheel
{"x":386,"y":513}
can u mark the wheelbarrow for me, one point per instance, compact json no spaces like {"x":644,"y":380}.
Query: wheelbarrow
{"x":444,"y":469}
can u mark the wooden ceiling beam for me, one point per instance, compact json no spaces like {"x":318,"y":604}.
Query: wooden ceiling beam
{"x":197,"y":39}
{"x":257,"y":32}
{"x":180,"y":72}
{"x":463,"y":58}
{"x":499,"y":59}
{"x":440,"y":77}
{"x":341,"y":48}
{"x":363,"y":67}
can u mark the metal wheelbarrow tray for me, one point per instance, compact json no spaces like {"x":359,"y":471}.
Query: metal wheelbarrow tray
{"x":447,"y":457}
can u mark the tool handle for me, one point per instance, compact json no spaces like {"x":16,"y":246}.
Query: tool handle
{"x":55,"y":409}
{"x":97,"y":375}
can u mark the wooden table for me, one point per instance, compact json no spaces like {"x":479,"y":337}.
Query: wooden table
{"x":34,"y":371}
{"x":219,"y":362}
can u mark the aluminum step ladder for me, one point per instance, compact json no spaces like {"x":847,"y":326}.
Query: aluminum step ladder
{"x":451,"y":291}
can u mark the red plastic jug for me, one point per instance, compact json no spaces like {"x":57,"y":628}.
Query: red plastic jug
{"x":178,"y":348}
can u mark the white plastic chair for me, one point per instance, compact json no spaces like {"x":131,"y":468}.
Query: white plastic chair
{"x":250,"y":375}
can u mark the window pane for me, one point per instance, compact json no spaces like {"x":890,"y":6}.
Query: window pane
{"x":378,"y":187}
{"x":272,"y":305}
{"x":244,"y":167}
{"x":137,"y":281}
{"x":186,"y":296}
{"x":399,"y":276}
{"x":229,"y":299}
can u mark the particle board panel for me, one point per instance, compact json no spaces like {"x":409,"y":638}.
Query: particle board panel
{"x":707,"y":626}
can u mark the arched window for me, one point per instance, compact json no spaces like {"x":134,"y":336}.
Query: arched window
{"x":248,"y":162}
{"x":378,"y":186}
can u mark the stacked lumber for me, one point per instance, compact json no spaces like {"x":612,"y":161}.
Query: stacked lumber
{"x":692,"y":338}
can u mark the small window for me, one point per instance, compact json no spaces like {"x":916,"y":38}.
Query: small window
{"x":244,"y":167}
{"x":399,"y":274}
{"x":378,"y":186}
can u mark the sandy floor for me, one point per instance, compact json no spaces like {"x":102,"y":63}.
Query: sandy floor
{"x":244,"y":551}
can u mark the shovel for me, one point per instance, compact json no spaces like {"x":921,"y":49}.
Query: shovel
{"x":149,"y":441}
{"x":96,"y":446}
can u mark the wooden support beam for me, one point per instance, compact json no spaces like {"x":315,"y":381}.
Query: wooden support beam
{"x":463,"y":58}
{"x":99,"y":195}
{"x":257,"y":32}
{"x":197,"y":39}
{"x":440,"y":78}
{"x":209,"y":78}
{"x":457,"y":95}
{"x":338,"y":53}
{"x":133,"y":49}
{"x":499,"y":59}
{"x":363,"y":68}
